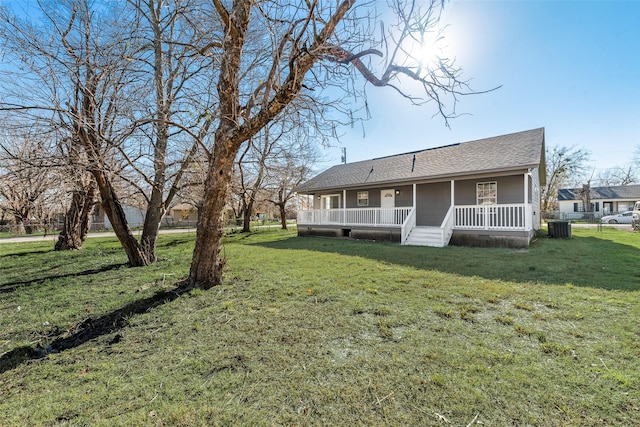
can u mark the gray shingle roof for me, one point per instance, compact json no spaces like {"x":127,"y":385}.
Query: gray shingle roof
{"x":500,"y":153}
{"x":624,"y":192}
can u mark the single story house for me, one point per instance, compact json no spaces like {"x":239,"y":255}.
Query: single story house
{"x":100,"y":220}
{"x":604,"y":201}
{"x":483,"y":193}
{"x":180,"y":215}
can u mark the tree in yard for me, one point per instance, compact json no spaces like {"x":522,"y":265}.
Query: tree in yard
{"x":180,"y":65}
{"x":73,"y":75}
{"x":585,"y":196}
{"x":122,"y":80}
{"x":192,"y":188}
{"x":77,"y":219}
{"x":289,"y":170}
{"x":264,"y":160}
{"x":564,"y":165}
{"x":251,"y":168}
{"x":99,"y":78}
{"x":622,"y":175}
{"x":24,"y":179}
{"x":311,"y":45}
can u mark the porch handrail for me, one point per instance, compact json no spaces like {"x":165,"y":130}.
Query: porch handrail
{"x":446,"y":228}
{"x":379,"y":217}
{"x":408,"y":225}
{"x":493,"y":217}
{"x":515,"y":216}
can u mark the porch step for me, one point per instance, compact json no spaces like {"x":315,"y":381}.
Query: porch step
{"x":425,"y":236}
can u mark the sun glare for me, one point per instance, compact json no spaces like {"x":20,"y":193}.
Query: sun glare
{"x":428,"y":51}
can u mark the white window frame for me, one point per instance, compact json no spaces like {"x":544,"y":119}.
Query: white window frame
{"x":362,"y":201}
{"x":485,"y":194}
{"x":326,"y":201}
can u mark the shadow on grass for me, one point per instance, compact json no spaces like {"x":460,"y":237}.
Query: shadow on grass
{"x":27,"y":253}
{"x":88,"y":329}
{"x":175,"y":241}
{"x":580,"y":261}
{"x":10,"y":287}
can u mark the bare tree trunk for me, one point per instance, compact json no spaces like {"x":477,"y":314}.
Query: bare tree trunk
{"x":22,"y":221}
{"x":20,"y":228}
{"x":585,"y":196}
{"x":76,"y":221}
{"x":236,"y":126}
{"x":207,"y":265}
{"x":112,"y":207}
{"x":247,"y":208}
{"x":283,"y":215}
{"x":163,"y":87}
{"x":152,"y":220}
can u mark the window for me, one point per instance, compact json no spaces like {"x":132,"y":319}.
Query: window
{"x":363,"y":198}
{"x":331,"y":201}
{"x":579,"y":207}
{"x":487,"y":193}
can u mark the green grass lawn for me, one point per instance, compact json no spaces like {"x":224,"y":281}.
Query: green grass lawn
{"x":312,"y":331}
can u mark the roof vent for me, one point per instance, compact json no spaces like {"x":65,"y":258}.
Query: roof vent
{"x":370,"y":172}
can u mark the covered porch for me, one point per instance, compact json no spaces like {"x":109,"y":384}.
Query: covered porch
{"x":507,"y":217}
{"x":400,"y":223}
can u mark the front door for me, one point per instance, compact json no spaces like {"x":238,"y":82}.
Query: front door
{"x":387,"y":205}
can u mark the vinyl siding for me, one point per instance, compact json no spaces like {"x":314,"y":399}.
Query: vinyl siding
{"x":404,"y":199}
{"x":433,"y":203}
{"x":510,"y":189}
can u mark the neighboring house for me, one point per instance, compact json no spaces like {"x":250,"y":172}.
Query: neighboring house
{"x":484,"y":192}
{"x":182,"y":214}
{"x":134,"y":215}
{"x":100,"y":221}
{"x":186,"y":215}
{"x":604,"y":201}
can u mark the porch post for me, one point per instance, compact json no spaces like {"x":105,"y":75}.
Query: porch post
{"x":344,"y":206}
{"x":414,"y":195}
{"x":527,"y":210}
{"x":453,"y":192}
{"x":453,"y":203}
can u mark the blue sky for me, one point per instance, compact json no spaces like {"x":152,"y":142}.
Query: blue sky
{"x":572,"y":67}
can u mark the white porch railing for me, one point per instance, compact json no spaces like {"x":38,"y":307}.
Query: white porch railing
{"x":467,"y":217}
{"x":394,"y":217}
{"x":408,"y":225}
{"x":446,"y":229}
{"x":493,"y":217}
